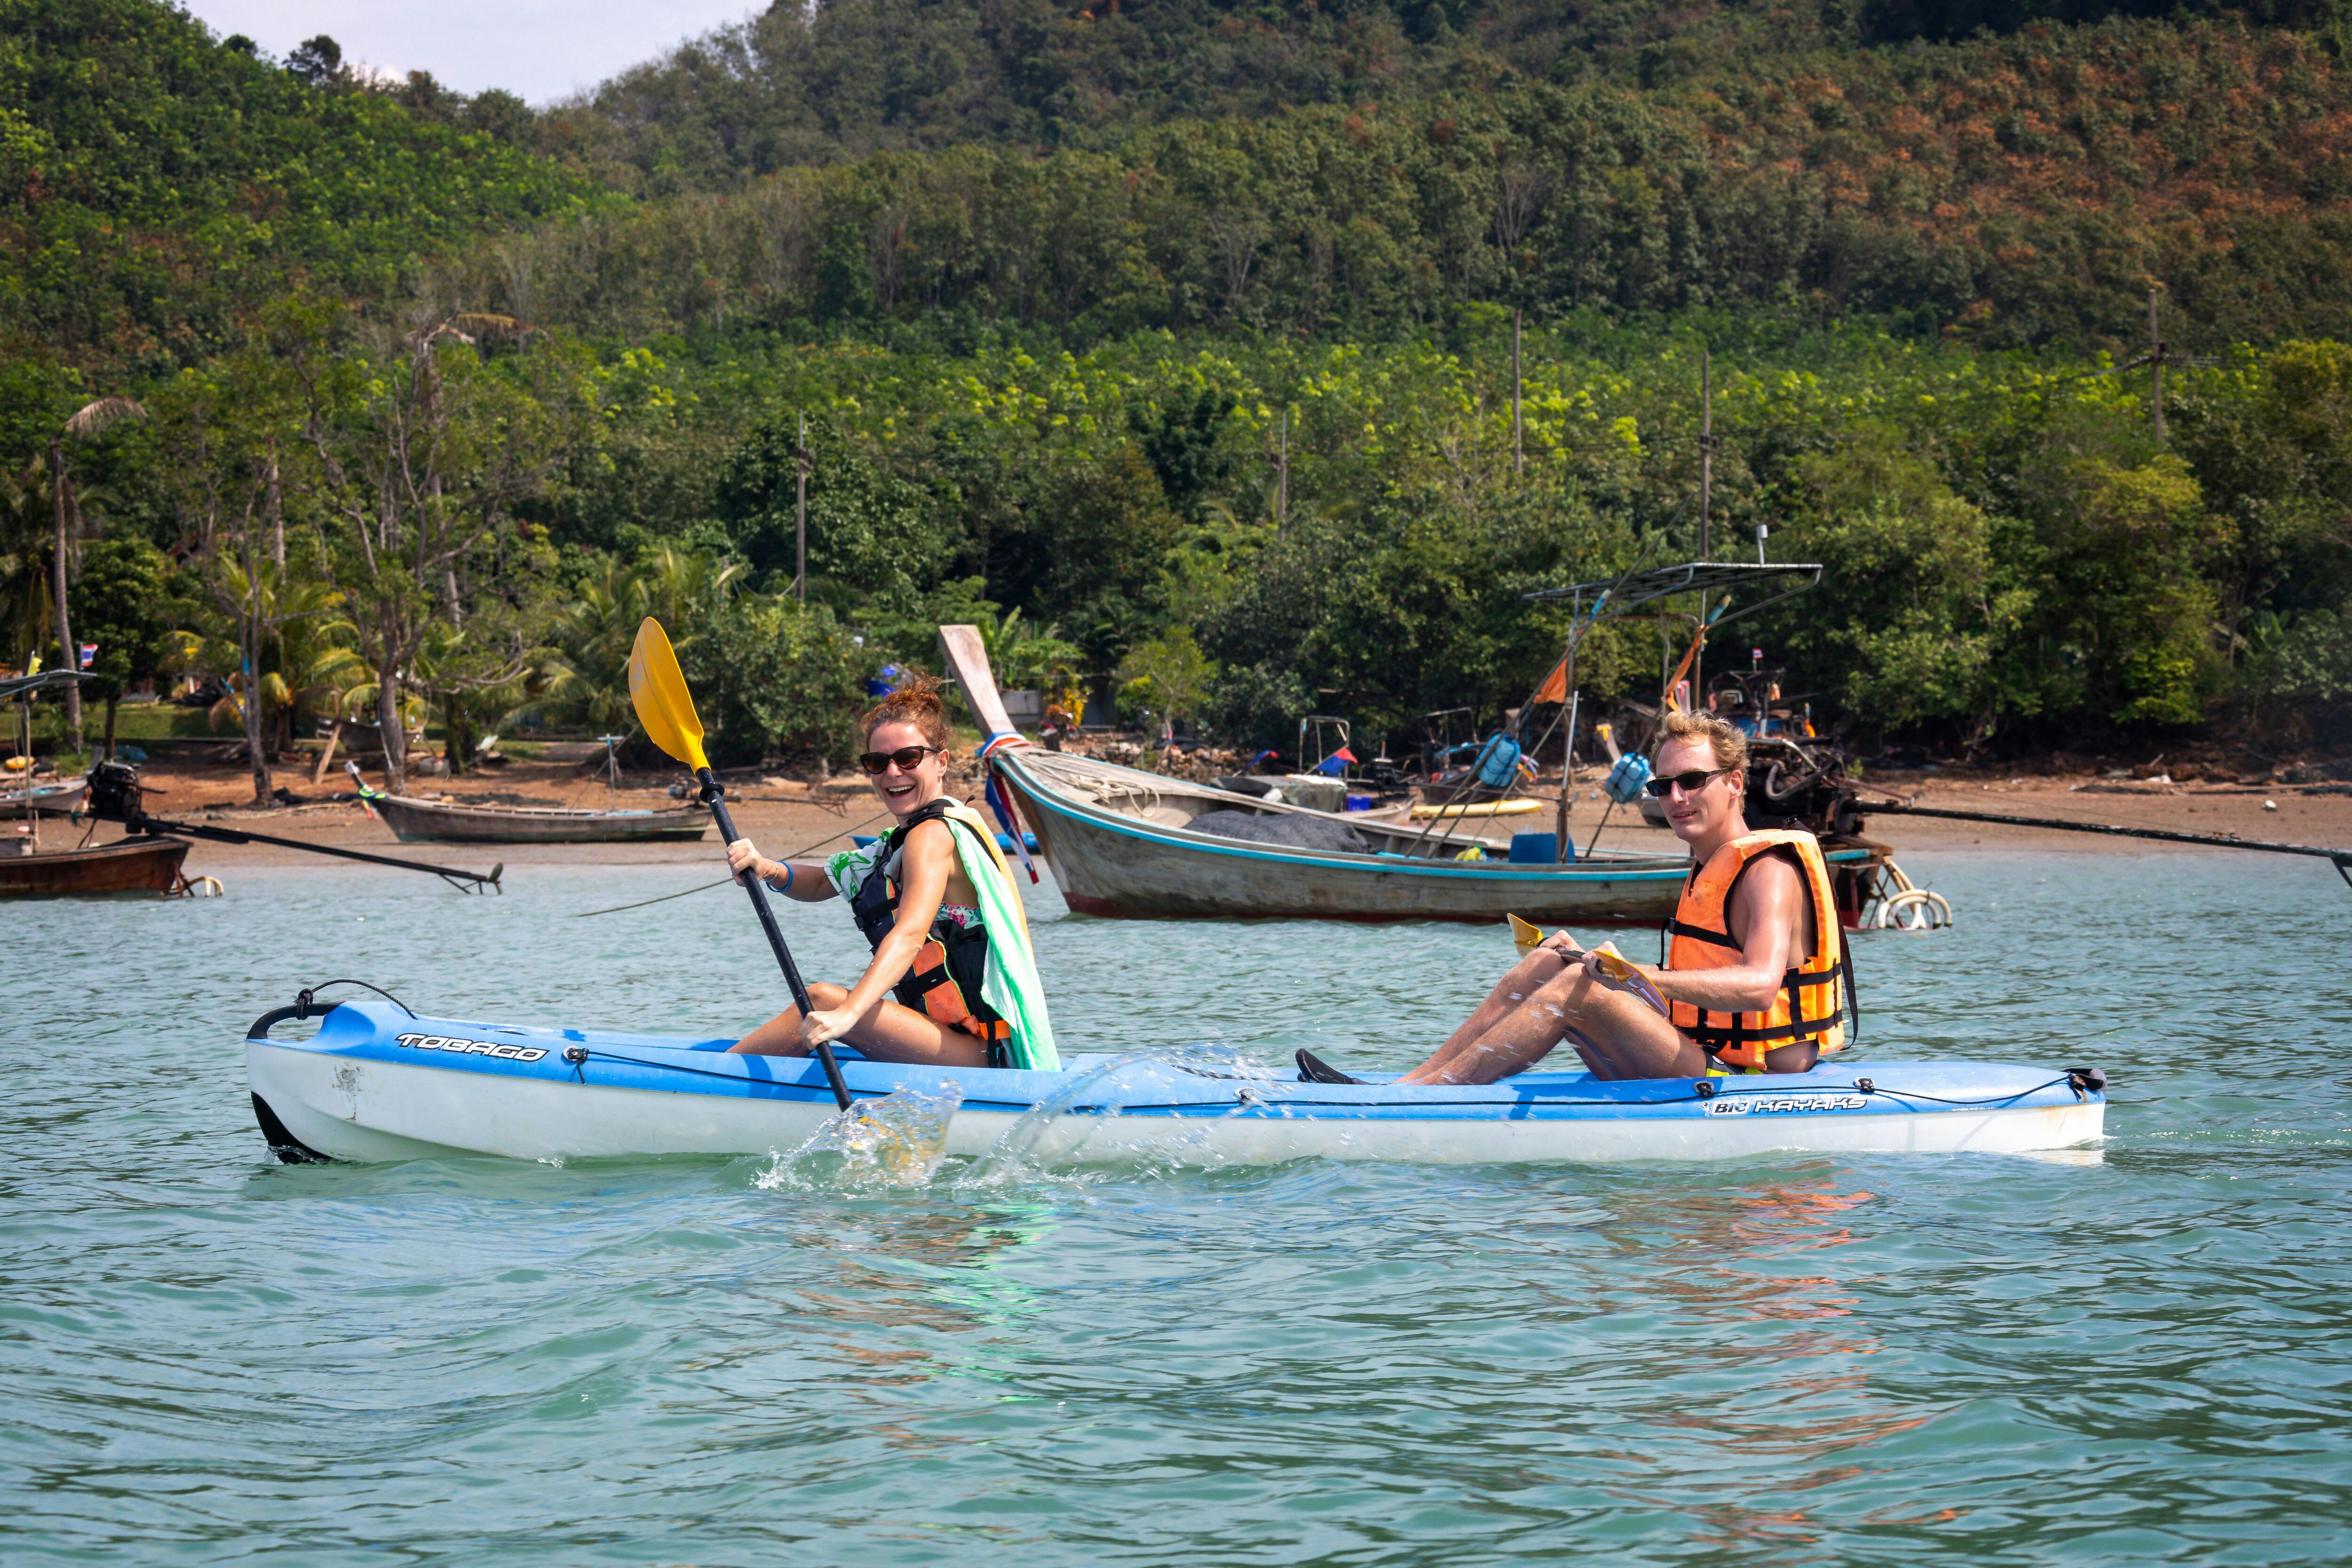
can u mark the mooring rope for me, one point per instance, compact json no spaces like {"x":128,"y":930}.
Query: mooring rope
{"x":727,"y":880}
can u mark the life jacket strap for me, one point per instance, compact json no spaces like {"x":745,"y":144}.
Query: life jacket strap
{"x":1701,"y":934}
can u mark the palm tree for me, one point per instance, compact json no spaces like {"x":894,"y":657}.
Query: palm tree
{"x":92,"y":418}
{"x":472,"y":678}
{"x":279,"y":643}
{"x":591,"y":636}
{"x":25,"y":607}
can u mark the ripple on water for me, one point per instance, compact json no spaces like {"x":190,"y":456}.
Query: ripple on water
{"x":2135,"y":1358}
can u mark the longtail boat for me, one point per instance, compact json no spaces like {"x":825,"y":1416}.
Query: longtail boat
{"x":58,"y":798}
{"x":413,"y":820}
{"x":1121,"y":843}
{"x":135,"y":865}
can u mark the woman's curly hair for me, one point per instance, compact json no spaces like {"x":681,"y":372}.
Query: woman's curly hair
{"x":917,"y":703}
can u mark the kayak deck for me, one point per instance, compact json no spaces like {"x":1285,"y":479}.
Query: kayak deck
{"x":376,"y":1083}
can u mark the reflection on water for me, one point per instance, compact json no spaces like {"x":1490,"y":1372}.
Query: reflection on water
{"x":836,"y":1356}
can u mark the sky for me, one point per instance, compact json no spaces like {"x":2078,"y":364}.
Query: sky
{"x":541,"y":50}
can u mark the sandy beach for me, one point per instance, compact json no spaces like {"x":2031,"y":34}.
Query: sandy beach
{"x":793,"y":816}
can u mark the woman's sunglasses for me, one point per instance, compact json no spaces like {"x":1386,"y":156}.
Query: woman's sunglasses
{"x":1692,"y":782}
{"x":908,"y":757}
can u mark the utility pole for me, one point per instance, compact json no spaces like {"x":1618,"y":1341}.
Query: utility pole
{"x":67,"y":652}
{"x":1282,"y":477}
{"x":277,"y":513}
{"x":800,"y":517}
{"x":1519,"y":446}
{"x":1706,"y":450}
{"x":2155,"y":367}
{"x":1706,"y":509}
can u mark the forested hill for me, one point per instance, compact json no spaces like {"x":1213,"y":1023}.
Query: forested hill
{"x":158,"y":183}
{"x":1185,"y":164}
{"x":2025,"y":189}
{"x":843,"y":78}
{"x":1187,"y":332}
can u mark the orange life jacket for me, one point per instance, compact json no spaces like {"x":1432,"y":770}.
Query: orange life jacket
{"x":944,"y":981}
{"x":1812,"y":995}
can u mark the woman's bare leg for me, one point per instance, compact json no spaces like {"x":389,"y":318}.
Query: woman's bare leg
{"x":780,"y":1035}
{"x":1617,"y":1035}
{"x":889,"y":1034}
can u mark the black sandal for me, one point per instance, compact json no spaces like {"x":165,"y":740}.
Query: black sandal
{"x":1313,"y":1069}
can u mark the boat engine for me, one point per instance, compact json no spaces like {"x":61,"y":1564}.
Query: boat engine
{"x":1793,"y":784}
{"x":114,"y":794}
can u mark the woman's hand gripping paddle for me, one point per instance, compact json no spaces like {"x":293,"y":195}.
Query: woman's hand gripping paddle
{"x":657,"y":689}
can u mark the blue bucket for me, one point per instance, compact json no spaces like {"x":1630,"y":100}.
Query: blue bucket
{"x":1538,"y":849}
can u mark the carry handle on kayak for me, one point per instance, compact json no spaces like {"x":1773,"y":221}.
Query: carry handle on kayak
{"x":276,"y":1016}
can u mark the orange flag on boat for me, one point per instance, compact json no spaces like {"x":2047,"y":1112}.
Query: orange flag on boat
{"x":1555,"y":686}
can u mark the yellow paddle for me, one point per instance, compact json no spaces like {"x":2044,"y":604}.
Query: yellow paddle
{"x":657,"y":691}
{"x":1614,"y":966}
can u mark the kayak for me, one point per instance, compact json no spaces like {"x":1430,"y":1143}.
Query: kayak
{"x":378,"y":1082}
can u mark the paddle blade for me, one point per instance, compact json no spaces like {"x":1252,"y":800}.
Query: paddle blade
{"x":658,"y":690}
{"x":1524,"y":936}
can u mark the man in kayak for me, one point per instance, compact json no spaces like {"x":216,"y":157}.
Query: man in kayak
{"x":1754,"y":980}
{"x":937,"y":905}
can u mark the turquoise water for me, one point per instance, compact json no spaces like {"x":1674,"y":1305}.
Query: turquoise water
{"x":2144,"y":1355}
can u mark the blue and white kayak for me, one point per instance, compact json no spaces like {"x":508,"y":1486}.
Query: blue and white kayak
{"x":377,"y":1083}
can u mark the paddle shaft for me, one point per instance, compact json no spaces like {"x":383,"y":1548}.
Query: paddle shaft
{"x":751,"y":881}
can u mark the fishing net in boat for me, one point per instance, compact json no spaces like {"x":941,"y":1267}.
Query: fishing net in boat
{"x":1298,"y":832}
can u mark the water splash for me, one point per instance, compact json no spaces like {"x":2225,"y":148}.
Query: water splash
{"x":897,"y":1140}
{"x":1056,"y":1127}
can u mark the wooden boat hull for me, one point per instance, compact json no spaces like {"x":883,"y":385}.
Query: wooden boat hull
{"x":428,"y":821}
{"x":1117,"y":865}
{"x":129,"y":865}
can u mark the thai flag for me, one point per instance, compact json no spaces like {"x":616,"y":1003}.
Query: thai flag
{"x":88,"y":654}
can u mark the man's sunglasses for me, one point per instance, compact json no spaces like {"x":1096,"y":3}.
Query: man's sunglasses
{"x":908,"y":757}
{"x":1692,"y":782}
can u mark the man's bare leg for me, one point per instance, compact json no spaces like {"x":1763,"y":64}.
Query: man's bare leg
{"x":1522,"y":980}
{"x":1617,"y":1034}
{"x":889,"y":1034}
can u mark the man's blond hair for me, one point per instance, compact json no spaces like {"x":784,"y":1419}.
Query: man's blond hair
{"x":1730,"y":745}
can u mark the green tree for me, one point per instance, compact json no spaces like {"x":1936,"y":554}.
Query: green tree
{"x":873,"y":536}
{"x":1906,"y":614}
{"x":783,"y":681}
{"x":1168,"y":677}
{"x":423,"y":449}
{"x":123,"y":604}
{"x":589,"y":637}
{"x":73,"y":526}
{"x":1111,"y":531}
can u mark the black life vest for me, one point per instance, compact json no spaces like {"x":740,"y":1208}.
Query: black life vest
{"x":944,"y":981}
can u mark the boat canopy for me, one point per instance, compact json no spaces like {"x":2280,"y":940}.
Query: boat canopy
{"x":16,"y":686}
{"x":1595,"y":601}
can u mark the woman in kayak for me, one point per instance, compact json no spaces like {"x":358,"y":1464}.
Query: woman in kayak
{"x":938,"y":906}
